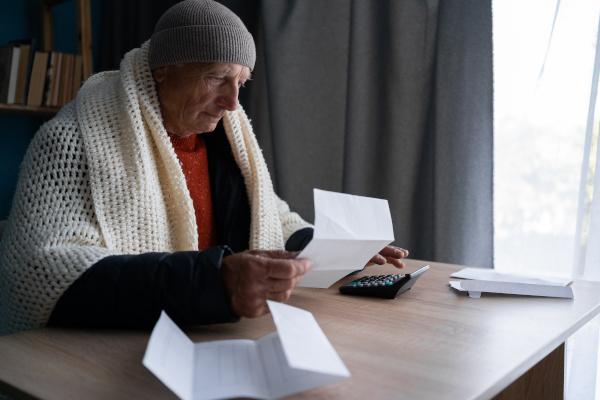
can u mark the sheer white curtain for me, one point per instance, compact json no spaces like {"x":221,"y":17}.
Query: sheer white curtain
{"x":543,"y":64}
{"x":546,"y":155}
{"x":583,"y":356}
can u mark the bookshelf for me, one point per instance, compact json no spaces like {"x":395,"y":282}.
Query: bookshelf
{"x":41,"y":111}
{"x":84,"y":30}
{"x":84,"y":41}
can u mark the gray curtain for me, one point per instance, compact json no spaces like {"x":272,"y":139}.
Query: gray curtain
{"x":383,"y":98}
{"x":390,"y":99}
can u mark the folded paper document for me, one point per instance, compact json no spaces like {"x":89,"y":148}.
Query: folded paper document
{"x":486,"y":274}
{"x":349,"y":231}
{"x":478,"y":280}
{"x":296,"y":357}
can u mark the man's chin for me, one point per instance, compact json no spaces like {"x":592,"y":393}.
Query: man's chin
{"x":209,"y":127}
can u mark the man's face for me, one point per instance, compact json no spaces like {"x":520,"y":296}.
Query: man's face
{"x":194,"y":97}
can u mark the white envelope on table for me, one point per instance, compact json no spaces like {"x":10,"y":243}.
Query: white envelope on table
{"x":294,"y":358}
{"x":349,"y":231}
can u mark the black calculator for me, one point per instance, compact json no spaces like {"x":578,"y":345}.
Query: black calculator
{"x":384,"y":286}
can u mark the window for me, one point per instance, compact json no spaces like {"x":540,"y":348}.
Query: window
{"x":543,"y":67}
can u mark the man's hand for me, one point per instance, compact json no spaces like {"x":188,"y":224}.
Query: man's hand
{"x":390,"y":254}
{"x":252,"y":277}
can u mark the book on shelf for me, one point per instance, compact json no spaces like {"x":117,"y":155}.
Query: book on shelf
{"x":12,"y":77}
{"x":19,"y":72}
{"x":38,"y":78}
{"x":62,"y":80}
{"x":56,"y":75}
{"x":77,"y":75}
{"x":67,"y":89}
{"x":37,"y":81}
{"x":23,"y":69}
{"x":49,"y":73}
{"x":23,"y":66}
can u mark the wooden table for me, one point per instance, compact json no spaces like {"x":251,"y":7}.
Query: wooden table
{"x":430,"y":343}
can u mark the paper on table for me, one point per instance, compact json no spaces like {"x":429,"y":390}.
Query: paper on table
{"x":276,"y":365}
{"x":306,"y":357}
{"x":491,"y":275}
{"x":349,"y":230}
{"x":475,"y":287}
{"x":170,"y":356}
{"x":304,"y":342}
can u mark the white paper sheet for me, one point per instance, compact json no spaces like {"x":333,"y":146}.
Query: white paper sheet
{"x":349,"y":231}
{"x":485,"y":274}
{"x":296,"y":357}
{"x":170,"y":356}
{"x":228,"y":368}
{"x":304,"y":342}
{"x":475,"y":287}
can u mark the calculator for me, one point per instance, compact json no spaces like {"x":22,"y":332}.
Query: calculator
{"x":384,"y":286}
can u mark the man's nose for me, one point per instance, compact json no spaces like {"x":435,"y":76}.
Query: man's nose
{"x":229,"y":99}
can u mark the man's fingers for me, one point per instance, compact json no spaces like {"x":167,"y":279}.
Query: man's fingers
{"x":280,"y":296}
{"x":253,"y":277}
{"x":281,"y":285}
{"x":393,"y":251}
{"x":378,"y":259}
{"x":287,"y":269}
{"x":256,"y":311}
{"x":395,"y":262}
{"x":250,"y":307}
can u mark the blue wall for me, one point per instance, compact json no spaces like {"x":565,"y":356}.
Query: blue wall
{"x":23,"y":20}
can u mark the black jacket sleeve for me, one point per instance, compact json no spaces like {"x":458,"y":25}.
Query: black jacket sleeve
{"x":129,"y":291}
{"x":299,"y":239}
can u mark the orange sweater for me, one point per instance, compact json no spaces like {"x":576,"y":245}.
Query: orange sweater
{"x":193,"y":160}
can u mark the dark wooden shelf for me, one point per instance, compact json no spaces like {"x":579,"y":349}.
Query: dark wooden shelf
{"x":23,"y":109}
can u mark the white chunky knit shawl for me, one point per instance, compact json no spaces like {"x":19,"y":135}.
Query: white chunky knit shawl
{"x":102,"y":178}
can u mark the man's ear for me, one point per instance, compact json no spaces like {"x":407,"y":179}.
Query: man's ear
{"x":159,"y":74}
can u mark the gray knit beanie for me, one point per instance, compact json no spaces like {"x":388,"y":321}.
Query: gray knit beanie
{"x":198,"y":31}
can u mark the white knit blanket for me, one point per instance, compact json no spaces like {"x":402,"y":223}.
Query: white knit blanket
{"x":102,"y":178}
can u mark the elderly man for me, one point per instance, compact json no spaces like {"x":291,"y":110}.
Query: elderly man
{"x":147,"y":191}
